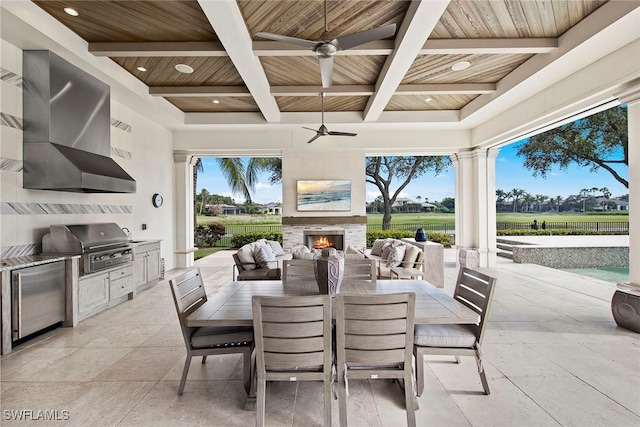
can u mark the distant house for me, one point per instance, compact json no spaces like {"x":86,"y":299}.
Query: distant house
{"x":224,"y":209}
{"x":273,"y":208}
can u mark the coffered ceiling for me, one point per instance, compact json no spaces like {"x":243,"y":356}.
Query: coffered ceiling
{"x":411,"y":72}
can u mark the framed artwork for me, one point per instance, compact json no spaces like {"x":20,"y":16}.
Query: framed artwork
{"x":324,"y":195}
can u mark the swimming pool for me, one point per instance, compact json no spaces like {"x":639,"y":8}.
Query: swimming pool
{"x":608,"y":274}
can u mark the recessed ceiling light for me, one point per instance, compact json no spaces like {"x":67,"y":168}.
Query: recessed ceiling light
{"x":71,"y":11}
{"x":428,"y":99}
{"x":184,"y":68}
{"x":141,"y":69}
{"x":215,"y":101}
{"x":462,"y":65}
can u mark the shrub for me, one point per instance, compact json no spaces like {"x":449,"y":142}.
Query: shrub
{"x":207,"y":236}
{"x":243,"y":238}
{"x":441,"y":238}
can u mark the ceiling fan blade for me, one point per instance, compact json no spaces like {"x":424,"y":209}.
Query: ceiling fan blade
{"x":336,"y":133}
{"x":362,"y":37}
{"x":315,"y":130}
{"x":314,"y":138}
{"x":326,"y":71}
{"x":280,"y":38}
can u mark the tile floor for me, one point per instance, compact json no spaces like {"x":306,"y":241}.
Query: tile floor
{"x":553,"y":356}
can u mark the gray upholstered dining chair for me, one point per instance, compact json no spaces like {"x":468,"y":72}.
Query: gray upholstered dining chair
{"x":475,"y":290}
{"x":188,"y":295}
{"x":293,"y":343}
{"x":374,"y":340}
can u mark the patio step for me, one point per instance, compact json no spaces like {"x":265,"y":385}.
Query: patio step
{"x":505,"y":249}
{"x":504,"y":254}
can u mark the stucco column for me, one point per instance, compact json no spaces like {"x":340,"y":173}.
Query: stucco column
{"x":475,"y":213}
{"x":183,"y":167}
{"x":631,"y":97}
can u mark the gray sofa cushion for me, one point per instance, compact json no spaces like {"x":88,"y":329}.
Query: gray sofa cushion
{"x":245,"y":255}
{"x":458,"y":336}
{"x":264,"y":256}
{"x":219,"y":336}
{"x":276,"y":247}
{"x":396,"y":255}
{"x":376,"y":249}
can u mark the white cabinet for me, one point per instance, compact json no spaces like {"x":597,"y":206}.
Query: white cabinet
{"x":105,"y":289}
{"x":146,"y":265}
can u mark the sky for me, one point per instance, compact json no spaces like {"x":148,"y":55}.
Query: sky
{"x":510,"y":174}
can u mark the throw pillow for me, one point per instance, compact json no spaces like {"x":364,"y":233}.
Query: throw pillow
{"x":352,"y":250}
{"x":303,"y":255}
{"x":264,"y":257}
{"x":276,"y":247}
{"x":386,"y":248}
{"x":376,"y":249}
{"x":395,"y":256}
{"x":410,"y":256}
{"x":245,"y":255}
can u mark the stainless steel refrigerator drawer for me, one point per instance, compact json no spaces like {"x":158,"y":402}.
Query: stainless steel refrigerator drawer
{"x":38,"y":298}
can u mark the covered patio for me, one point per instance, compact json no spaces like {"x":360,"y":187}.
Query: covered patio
{"x":553,"y":356}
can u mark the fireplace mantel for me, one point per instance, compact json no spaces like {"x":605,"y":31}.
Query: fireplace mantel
{"x":329,"y":220}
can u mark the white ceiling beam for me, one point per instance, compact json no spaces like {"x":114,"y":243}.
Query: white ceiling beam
{"x":227,"y":21}
{"x":340,"y":90}
{"x":378,"y":47}
{"x":144,"y":49}
{"x":446,"y":89}
{"x":420,"y":20}
{"x":196,"y":91}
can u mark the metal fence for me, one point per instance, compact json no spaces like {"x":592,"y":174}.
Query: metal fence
{"x":447,"y":228}
{"x":604,"y":227}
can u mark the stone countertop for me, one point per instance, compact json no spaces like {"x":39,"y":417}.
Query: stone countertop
{"x":31,"y":260}
{"x":144,"y":242}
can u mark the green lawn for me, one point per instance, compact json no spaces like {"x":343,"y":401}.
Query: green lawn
{"x":431,"y":218}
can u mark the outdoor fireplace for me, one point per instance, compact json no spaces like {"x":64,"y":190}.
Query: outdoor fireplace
{"x":319,"y":239}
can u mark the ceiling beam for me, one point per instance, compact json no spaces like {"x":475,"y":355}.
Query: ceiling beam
{"x":227,"y":21}
{"x":378,"y":47}
{"x":340,"y":90}
{"x":420,"y":20}
{"x":144,"y":49}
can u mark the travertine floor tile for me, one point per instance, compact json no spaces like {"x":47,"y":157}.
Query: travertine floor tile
{"x":220,"y":367}
{"x":83,"y":364}
{"x":143,"y":365}
{"x":25,"y":363}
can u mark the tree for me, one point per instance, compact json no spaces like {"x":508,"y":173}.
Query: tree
{"x":557,"y":201}
{"x":596,"y":141}
{"x":204,"y":195}
{"x":516,"y":194}
{"x":198,"y":167}
{"x":381,"y":171}
{"x":449,"y":203}
{"x":242,"y":178}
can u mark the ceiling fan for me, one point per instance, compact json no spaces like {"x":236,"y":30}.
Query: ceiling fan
{"x":323,"y":131}
{"x":328,"y":46}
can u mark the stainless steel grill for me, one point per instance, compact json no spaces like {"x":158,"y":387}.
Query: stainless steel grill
{"x":100,"y":246}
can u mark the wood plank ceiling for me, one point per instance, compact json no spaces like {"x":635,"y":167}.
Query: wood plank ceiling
{"x":494,"y":36}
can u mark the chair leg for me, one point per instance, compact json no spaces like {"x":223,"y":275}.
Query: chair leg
{"x":342,"y":398}
{"x":261,"y":403}
{"x":408,"y":399}
{"x":185,"y":372}
{"x":457,"y":359}
{"x":327,"y":402}
{"x":204,"y":359}
{"x":483,"y":377}
{"x":246,"y":359}
{"x":419,"y":370}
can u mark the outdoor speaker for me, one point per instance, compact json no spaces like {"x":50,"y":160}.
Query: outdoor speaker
{"x":626,"y":310}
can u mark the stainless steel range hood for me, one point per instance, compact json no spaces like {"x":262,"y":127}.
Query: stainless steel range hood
{"x":67,"y":123}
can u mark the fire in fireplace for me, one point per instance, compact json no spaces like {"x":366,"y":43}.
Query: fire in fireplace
{"x":321,"y":240}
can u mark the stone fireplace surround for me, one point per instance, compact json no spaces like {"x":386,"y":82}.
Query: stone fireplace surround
{"x":294,"y":228}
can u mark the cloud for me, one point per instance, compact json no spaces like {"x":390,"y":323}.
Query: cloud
{"x":442,"y":176}
{"x":263,"y":186}
{"x":502,"y":159}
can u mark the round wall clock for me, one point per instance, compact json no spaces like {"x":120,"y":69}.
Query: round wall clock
{"x":157,"y":200}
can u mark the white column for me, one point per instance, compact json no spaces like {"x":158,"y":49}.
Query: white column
{"x":475,"y":213}
{"x":183,"y":165}
{"x":631,"y":97}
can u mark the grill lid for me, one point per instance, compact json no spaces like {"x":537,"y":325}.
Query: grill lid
{"x":82,"y":238}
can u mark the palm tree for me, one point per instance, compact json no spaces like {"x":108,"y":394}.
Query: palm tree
{"x":242,"y":178}
{"x":528,"y":200}
{"x":558,"y":200}
{"x":516,"y":193}
{"x":198,"y":167}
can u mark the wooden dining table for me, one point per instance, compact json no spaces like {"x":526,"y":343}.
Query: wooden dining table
{"x":231,"y":306}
